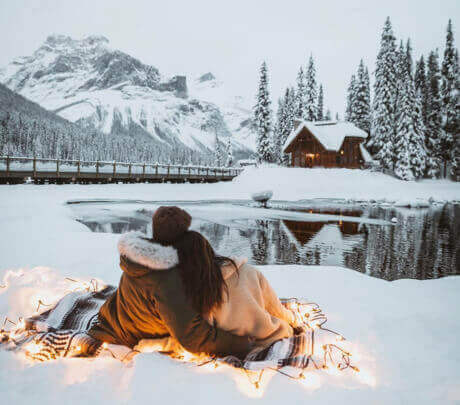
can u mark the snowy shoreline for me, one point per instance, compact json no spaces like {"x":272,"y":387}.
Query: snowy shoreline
{"x":287,"y":184}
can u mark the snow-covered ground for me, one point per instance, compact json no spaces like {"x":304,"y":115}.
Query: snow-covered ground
{"x":404,"y":333}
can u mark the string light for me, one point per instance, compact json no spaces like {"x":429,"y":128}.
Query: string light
{"x":307,"y":317}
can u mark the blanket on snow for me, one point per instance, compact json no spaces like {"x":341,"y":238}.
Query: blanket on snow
{"x":61,"y":332}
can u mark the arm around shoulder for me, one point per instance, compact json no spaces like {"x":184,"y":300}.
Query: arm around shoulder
{"x":193,"y":332}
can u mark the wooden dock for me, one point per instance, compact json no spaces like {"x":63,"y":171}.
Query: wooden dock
{"x":16,"y":170}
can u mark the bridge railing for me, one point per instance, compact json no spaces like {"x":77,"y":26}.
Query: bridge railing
{"x":34,"y":165}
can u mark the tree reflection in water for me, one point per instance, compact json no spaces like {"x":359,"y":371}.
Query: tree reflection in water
{"x":422,"y":245}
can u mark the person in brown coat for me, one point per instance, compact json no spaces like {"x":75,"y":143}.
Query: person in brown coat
{"x":152,"y":301}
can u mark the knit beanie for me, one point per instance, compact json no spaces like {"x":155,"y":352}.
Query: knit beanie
{"x":169,"y":223}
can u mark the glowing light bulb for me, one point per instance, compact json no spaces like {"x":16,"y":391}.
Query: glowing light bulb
{"x":21,"y":324}
{"x":104,"y":345}
{"x":33,"y":348}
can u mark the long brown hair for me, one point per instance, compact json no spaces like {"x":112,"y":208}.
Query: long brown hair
{"x":200,"y":271}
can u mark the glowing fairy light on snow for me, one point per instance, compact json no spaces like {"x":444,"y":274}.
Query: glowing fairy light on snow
{"x":327,"y":350}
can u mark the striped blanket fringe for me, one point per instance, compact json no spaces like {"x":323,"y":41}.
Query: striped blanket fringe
{"x":60,"y":332}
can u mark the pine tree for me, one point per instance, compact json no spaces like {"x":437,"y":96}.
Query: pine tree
{"x":284,"y":123}
{"x":311,"y":92}
{"x":300,"y":95}
{"x":229,"y":152}
{"x":320,"y":108}
{"x":328,"y":116}
{"x":401,"y":70}
{"x":455,"y":169}
{"x":449,"y":99}
{"x":359,"y":98}
{"x":367,"y":85}
{"x":409,"y":58}
{"x":421,"y":86}
{"x":263,"y":117}
{"x":383,"y":129}
{"x":350,"y":98}
{"x":279,"y":128}
{"x":290,"y":110}
{"x":433,"y":116}
{"x":218,"y":158}
{"x":410,"y":154}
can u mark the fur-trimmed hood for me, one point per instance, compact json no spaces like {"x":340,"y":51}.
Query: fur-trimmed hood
{"x":152,"y":256}
{"x":137,"y":248}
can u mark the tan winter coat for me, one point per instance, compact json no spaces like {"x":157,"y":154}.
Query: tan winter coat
{"x":252,"y":307}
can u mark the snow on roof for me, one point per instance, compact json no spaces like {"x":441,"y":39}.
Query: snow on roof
{"x":329,"y":133}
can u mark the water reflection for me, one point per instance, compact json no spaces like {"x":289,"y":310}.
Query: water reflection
{"x":422,"y":245}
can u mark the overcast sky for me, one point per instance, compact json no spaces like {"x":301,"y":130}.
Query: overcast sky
{"x":232,"y":38}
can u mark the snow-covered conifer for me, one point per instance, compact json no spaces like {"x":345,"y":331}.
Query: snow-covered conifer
{"x":263,"y":118}
{"x":350,"y":98}
{"x":229,"y":152}
{"x":279,"y":129}
{"x":300,"y":95}
{"x":290,"y":104}
{"x":311,"y":92}
{"x":410,"y":154}
{"x":449,"y":99}
{"x":409,"y":58}
{"x":284,"y":124}
{"x":218,"y":157}
{"x":383,"y":119}
{"x":421,"y":85}
{"x":320,"y":108}
{"x":328,"y":116}
{"x":433,"y":116}
{"x":359,"y":99}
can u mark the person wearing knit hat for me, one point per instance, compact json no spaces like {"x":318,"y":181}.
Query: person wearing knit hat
{"x":169,"y":223}
{"x":151,"y":301}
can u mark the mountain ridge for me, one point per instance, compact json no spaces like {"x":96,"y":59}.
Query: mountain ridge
{"x":86,"y":81}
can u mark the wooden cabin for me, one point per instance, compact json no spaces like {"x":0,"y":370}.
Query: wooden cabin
{"x":326,"y":144}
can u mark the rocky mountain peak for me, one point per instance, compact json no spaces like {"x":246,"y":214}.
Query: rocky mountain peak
{"x":206,"y":77}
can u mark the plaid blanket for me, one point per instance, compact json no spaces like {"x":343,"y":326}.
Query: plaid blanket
{"x":61,"y":332}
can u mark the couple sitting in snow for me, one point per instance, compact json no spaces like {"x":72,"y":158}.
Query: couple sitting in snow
{"x":176,"y":287}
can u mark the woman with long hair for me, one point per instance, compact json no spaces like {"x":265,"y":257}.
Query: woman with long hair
{"x":230,"y":293}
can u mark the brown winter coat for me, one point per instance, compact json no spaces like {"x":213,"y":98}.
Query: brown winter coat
{"x":150,"y":302}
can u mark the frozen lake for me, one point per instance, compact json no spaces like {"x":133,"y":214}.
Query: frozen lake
{"x":378,"y":240}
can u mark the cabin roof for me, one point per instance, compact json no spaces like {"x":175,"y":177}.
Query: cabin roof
{"x":329,"y":133}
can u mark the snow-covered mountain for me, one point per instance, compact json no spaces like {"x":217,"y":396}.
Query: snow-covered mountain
{"x":88,"y":81}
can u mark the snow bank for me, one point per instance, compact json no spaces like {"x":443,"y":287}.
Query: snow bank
{"x":299,"y":183}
